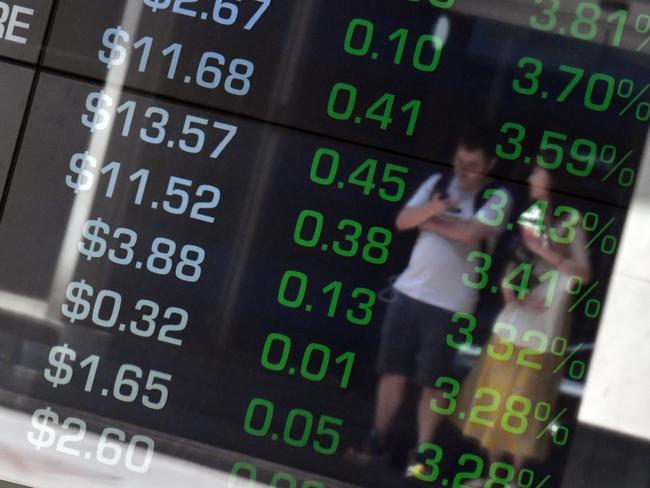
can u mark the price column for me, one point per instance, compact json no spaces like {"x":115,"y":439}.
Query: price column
{"x":127,"y":249}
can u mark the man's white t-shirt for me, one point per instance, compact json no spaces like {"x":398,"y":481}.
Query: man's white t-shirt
{"x":435,"y":270}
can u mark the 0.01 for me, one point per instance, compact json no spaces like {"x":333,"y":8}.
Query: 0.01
{"x":298,"y":427}
{"x":315,"y":354}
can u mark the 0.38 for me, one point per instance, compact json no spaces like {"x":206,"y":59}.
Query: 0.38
{"x":308,"y":232}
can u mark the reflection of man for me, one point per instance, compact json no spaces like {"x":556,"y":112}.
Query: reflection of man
{"x":430,"y":290}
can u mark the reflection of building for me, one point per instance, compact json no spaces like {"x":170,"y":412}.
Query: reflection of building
{"x":618,"y":387}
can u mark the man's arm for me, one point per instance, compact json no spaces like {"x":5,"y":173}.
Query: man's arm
{"x":470,"y":232}
{"x":416,"y":216}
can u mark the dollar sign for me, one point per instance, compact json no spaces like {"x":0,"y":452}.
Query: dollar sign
{"x":157,"y":4}
{"x":62,"y":373}
{"x":115,"y":53}
{"x":100,"y":117}
{"x":97,"y":244}
{"x":79,"y":163}
{"x":44,"y":435}
{"x":75,"y":294}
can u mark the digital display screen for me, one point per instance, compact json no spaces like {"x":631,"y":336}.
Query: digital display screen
{"x":310,"y":243}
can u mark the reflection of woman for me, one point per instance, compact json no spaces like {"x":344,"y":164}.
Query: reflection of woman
{"x":515,"y":372}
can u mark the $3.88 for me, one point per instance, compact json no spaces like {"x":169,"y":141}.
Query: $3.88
{"x":298,"y":427}
{"x":110,"y":446}
{"x":83,"y":302}
{"x":160,"y":261}
{"x":125,"y":388}
{"x":178,"y":192}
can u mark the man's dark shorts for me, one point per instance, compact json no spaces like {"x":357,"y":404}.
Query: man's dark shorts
{"x":414,"y":340}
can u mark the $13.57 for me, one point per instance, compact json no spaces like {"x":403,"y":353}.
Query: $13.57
{"x":156,"y":128}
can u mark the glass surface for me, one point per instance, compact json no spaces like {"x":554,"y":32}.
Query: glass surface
{"x":314,"y":243}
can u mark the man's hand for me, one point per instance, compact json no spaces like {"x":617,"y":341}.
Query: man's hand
{"x":412,"y":217}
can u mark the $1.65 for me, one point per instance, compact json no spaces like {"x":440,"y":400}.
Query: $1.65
{"x":160,"y":261}
{"x":126,"y":386}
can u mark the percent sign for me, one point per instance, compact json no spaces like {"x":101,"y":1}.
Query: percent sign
{"x":577,"y":368}
{"x":591,"y":305}
{"x":642,"y":26}
{"x":559,"y":433}
{"x":625,"y":90}
{"x":526,"y":479}
{"x":609,"y":156}
{"x":592,"y":224}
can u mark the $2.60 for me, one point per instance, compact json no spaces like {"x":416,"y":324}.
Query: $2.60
{"x":47,"y":427}
{"x":126,"y":387}
{"x":160,"y":261}
{"x":104,"y":307}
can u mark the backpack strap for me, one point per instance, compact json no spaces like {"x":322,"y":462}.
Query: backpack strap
{"x":442,"y":185}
